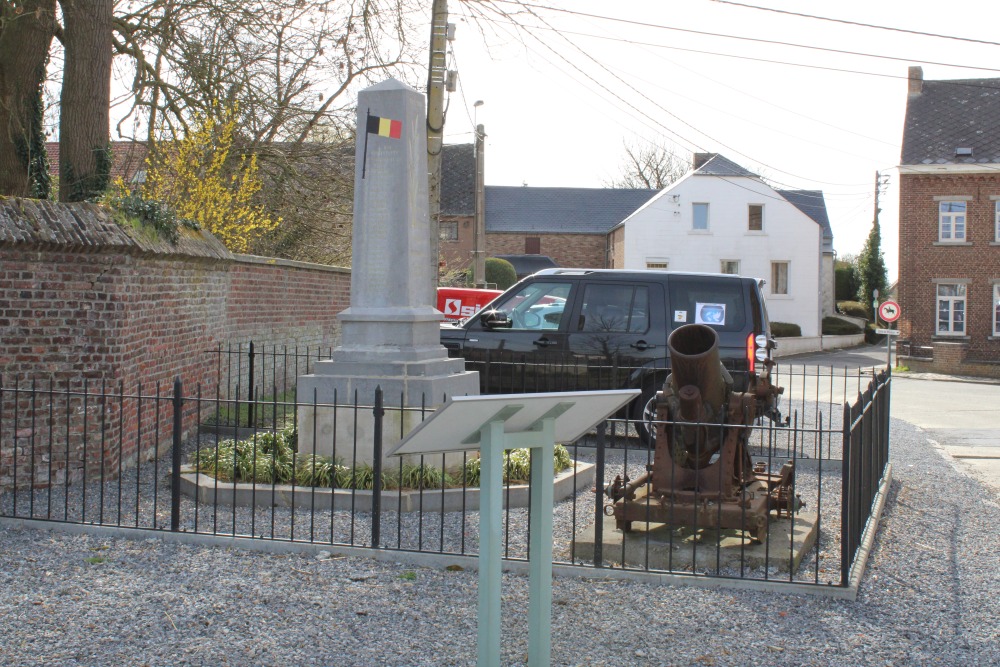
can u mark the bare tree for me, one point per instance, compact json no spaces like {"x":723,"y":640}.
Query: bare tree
{"x":291,"y":71}
{"x":652,"y":165}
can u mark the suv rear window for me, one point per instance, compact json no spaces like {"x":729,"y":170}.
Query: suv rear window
{"x":706,"y":300}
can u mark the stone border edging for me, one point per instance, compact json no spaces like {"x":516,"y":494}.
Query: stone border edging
{"x":206,"y":490}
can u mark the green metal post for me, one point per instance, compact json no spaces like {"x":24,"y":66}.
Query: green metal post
{"x":490,"y":542}
{"x":540,"y":552}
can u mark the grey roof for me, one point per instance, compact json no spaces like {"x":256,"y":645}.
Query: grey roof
{"x":813,"y":204}
{"x":718,"y":165}
{"x":945,"y":115}
{"x":458,"y":179}
{"x":560,"y":210}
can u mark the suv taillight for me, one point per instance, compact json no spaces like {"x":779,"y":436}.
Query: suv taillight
{"x":751,"y":353}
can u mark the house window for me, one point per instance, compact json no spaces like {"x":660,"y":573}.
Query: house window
{"x":731,"y":266}
{"x":449,"y":231}
{"x":779,"y":277}
{"x":951,"y":221}
{"x":951,"y":309}
{"x":996,"y":222}
{"x":756,"y":221}
{"x":657,"y":263}
{"x":699,"y":220}
{"x":533,"y":245}
{"x":996,"y":310}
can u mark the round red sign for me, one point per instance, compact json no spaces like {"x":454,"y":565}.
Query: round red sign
{"x":888,"y":311}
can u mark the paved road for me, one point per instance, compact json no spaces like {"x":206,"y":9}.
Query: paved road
{"x":961,"y":416}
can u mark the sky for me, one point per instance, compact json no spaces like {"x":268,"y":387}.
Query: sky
{"x":568,"y":85}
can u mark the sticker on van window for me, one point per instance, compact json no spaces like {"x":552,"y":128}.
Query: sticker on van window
{"x":710,"y":313}
{"x":680,"y":316}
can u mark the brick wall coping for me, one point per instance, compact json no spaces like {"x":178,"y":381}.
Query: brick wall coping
{"x":87,"y":227}
{"x":275,"y":261}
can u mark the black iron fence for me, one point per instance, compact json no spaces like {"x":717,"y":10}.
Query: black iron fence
{"x":97,"y":455}
{"x":248,"y":374}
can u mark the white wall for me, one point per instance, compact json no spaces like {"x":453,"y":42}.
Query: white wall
{"x":663,"y":230}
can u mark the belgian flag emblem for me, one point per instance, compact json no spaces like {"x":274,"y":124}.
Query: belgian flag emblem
{"x":385,"y":127}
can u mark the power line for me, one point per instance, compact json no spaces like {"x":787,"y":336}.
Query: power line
{"x":657,"y":105}
{"x":858,"y":23}
{"x":967,"y":83}
{"x":748,"y":39}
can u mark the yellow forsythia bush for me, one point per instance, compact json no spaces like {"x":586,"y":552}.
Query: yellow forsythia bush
{"x":197,"y":178}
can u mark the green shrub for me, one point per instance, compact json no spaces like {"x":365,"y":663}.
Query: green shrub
{"x":320,"y":471}
{"x":270,"y":458}
{"x":785,"y":330}
{"x":853,"y":309}
{"x":870,"y":336}
{"x":846,"y":282}
{"x":500,"y":272}
{"x":834,"y":326}
{"x":516,"y":465}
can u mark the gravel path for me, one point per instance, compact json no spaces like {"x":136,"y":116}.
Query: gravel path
{"x":931,"y":596}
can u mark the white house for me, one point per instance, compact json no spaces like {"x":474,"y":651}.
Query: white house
{"x":721,"y":218}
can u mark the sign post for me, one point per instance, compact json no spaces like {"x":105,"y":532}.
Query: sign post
{"x":889,"y":312}
{"x":493,"y":424}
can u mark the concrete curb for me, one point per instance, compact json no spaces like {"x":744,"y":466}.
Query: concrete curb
{"x":207,"y":490}
{"x":431,"y":560}
{"x":868,"y":538}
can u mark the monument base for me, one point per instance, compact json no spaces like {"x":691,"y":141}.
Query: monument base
{"x":331,"y":425}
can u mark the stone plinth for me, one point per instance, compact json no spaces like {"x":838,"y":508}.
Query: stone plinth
{"x":688,"y":550}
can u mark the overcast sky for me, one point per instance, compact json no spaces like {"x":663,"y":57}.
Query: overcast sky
{"x":564,"y":91}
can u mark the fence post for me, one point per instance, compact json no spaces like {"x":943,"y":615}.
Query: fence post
{"x":845,"y":501}
{"x":175,"y":473}
{"x":250,"y":385}
{"x":378,"y":412}
{"x":602,"y":430}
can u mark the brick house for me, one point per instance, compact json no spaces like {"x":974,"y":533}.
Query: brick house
{"x":458,"y":205}
{"x":570,"y":225}
{"x":949,"y":225}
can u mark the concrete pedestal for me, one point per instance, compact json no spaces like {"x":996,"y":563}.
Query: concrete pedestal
{"x":687,"y":550}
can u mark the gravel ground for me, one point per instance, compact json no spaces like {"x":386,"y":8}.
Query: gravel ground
{"x":930,"y":596}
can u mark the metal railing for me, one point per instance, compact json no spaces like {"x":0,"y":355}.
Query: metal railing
{"x":89,"y":454}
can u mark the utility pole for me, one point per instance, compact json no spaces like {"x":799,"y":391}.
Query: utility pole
{"x":479,"y":224}
{"x":436,"y":73}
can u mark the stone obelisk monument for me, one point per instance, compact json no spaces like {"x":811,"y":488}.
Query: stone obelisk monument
{"x":390,"y":333}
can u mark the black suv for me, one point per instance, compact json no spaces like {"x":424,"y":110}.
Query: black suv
{"x":585,"y":329}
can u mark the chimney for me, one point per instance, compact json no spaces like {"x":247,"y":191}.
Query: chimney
{"x":916,"y":80}
{"x":700,"y":159}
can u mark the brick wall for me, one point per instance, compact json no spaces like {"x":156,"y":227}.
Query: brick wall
{"x":617,"y":241}
{"x":921,"y":262}
{"x":457,"y":255}
{"x":567,"y":250}
{"x":83,"y":300}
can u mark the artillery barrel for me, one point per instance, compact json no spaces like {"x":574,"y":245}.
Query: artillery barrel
{"x":694,"y":362}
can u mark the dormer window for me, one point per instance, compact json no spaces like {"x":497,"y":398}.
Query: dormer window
{"x":963,"y":151}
